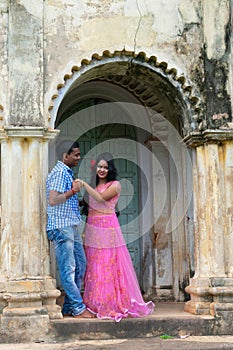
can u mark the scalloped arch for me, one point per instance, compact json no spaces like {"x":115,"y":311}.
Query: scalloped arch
{"x":88,"y":70}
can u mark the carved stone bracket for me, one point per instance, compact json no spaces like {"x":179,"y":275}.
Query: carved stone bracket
{"x":198,"y":138}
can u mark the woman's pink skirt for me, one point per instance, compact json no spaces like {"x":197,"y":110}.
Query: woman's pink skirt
{"x":111,"y":287}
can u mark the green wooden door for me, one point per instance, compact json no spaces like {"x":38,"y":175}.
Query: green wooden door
{"x":99,"y":140}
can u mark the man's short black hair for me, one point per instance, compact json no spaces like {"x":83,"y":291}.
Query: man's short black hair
{"x":65,"y":146}
{"x":74,"y":145}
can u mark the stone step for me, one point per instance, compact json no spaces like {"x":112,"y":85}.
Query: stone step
{"x":168,"y":319}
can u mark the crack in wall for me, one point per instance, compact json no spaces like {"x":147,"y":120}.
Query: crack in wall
{"x":139,"y":24}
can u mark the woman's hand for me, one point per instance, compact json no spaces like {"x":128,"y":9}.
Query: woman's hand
{"x":109,"y":193}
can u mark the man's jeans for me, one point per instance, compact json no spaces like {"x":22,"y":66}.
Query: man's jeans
{"x":71,"y":262}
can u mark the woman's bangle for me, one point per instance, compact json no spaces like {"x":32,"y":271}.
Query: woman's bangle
{"x":73,"y":191}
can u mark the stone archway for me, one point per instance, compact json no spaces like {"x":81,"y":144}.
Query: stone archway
{"x":164,"y":95}
{"x":130,"y":64}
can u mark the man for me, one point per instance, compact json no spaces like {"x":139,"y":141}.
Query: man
{"x":62,"y":228}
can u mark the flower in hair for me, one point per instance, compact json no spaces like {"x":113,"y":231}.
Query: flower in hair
{"x":92,"y":164}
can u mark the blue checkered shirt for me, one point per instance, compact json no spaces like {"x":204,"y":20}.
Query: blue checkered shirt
{"x":66,"y":214}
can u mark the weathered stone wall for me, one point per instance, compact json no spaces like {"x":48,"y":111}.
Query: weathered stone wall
{"x":3,"y":58}
{"x":75,"y":30}
{"x":22,"y":63}
{"x":217,"y":58}
{"x":40,"y":41}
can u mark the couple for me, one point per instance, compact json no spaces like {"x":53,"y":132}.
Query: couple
{"x":111,"y":289}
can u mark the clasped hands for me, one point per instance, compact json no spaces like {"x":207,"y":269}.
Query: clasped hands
{"x":77,"y":185}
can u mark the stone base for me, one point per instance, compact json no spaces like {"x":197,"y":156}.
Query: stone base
{"x":3,"y":303}
{"x":27,"y":307}
{"x":211,"y":296}
{"x":200,"y":297}
{"x":21,"y":328}
{"x":223,"y":313}
{"x":26,"y":297}
{"x":220,"y":308}
{"x":197,"y":307}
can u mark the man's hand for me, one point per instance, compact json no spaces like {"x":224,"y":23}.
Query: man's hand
{"x":77,"y":185}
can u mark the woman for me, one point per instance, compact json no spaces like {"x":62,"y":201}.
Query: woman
{"x":111,"y":286}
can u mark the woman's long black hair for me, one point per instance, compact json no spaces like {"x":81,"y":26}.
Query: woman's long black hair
{"x":111,"y":176}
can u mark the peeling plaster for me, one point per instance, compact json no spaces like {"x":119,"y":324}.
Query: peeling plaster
{"x":34,"y":8}
{"x":3,"y":6}
{"x":127,"y":28}
{"x":216,"y":18}
{"x":190,"y":11}
{"x":25,"y":66}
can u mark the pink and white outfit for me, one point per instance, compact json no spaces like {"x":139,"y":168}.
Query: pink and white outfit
{"x":111,"y":287}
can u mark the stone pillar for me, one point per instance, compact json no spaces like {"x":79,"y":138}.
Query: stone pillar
{"x":211,"y":288}
{"x":27,"y":290}
{"x":162,"y":240}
